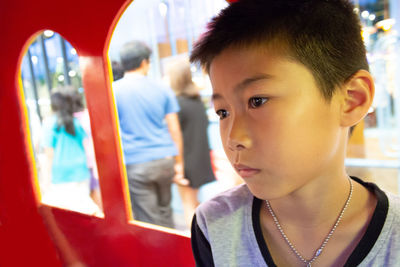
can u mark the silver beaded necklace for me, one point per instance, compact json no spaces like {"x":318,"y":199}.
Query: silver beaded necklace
{"x":320,"y":249}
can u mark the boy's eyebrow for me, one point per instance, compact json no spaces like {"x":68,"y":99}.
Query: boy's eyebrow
{"x":246,"y":82}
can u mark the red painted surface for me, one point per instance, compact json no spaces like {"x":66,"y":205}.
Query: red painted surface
{"x":32,"y":234}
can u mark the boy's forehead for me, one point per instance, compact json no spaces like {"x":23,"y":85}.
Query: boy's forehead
{"x":243,"y":55}
{"x":238,"y":67}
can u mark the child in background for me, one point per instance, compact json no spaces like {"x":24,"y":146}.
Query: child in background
{"x":67,"y":170}
{"x":290,"y":77}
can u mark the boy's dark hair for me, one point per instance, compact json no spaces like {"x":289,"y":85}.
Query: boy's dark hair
{"x":323,"y":35}
{"x":133,"y":53}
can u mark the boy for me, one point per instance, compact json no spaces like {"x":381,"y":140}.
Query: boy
{"x":290,"y":77}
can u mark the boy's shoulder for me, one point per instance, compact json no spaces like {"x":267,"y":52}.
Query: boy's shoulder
{"x":393,"y":216}
{"x":225,"y":226}
{"x":393,"y":198}
{"x":394,"y":207}
{"x":386,"y":247}
{"x":225,"y":204}
{"x":393,"y":210}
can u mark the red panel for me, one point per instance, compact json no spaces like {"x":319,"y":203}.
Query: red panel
{"x":34,"y":235}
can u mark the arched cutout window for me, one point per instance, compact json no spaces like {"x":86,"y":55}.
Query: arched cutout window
{"x":169,"y":29}
{"x":59,"y":123}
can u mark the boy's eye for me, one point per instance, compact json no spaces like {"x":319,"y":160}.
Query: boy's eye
{"x":256,"y":102}
{"x":222,"y":113}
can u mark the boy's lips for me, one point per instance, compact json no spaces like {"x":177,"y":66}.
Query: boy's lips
{"x":245,"y":171}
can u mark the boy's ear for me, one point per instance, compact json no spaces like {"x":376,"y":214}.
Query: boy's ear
{"x":358,"y":95}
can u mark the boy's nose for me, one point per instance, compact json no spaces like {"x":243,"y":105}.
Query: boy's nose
{"x":238,"y":138}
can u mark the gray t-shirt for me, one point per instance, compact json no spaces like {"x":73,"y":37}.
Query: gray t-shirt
{"x":226,"y":232}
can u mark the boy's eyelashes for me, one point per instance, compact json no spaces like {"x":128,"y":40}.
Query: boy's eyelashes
{"x":253,"y":103}
{"x":222,"y":113}
{"x":257,"y":101}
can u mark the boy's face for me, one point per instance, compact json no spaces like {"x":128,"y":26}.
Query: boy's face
{"x":277,"y":130}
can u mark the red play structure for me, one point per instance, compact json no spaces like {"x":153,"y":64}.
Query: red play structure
{"x":33,"y":234}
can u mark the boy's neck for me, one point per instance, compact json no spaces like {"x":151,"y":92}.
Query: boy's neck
{"x":315,"y":203}
{"x":307,"y":221}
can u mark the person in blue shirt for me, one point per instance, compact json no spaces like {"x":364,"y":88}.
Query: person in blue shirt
{"x":151,"y":137}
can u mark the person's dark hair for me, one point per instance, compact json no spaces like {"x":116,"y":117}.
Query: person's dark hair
{"x":117,"y":70}
{"x":76,"y":99}
{"x":323,"y":35}
{"x":133,"y":53}
{"x":62,"y":106}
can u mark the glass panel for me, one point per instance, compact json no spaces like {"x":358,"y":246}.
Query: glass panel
{"x":169,"y":28}
{"x":60,"y":125}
